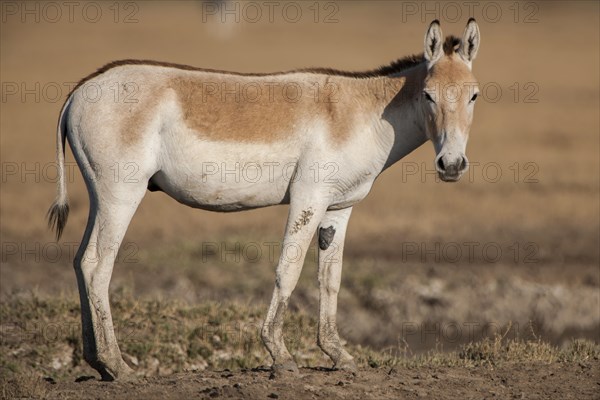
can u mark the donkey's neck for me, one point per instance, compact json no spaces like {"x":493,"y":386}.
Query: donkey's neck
{"x":399,"y":126}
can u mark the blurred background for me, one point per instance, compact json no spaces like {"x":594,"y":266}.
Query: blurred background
{"x":512,"y":249}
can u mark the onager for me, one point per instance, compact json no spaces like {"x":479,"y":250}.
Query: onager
{"x":167,"y":126}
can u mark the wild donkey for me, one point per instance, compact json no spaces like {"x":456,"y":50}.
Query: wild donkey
{"x":185,"y":118}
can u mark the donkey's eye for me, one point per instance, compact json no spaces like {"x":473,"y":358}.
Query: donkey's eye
{"x":474,"y":97}
{"x":428,"y":97}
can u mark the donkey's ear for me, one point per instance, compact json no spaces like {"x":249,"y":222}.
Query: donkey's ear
{"x":433,"y":43}
{"x":470,"y":42}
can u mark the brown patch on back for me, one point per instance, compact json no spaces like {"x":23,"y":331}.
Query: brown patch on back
{"x":217,"y":107}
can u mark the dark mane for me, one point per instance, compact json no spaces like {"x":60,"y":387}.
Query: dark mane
{"x":397,"y":66}
{"x":451,"y":44}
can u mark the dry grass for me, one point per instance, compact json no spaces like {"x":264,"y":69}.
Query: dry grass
{"x":41,"y":339}
{"x":22,"y":386}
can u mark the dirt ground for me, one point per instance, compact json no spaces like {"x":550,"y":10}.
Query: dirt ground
{"x":515,"y":382}
{"x":529,"y":209}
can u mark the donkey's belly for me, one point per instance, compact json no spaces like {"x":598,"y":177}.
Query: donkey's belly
{"x":223,"y":190}
{"x":226,"y":175}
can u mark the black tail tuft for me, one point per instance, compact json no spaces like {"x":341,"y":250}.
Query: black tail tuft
{"x":57,"y":218}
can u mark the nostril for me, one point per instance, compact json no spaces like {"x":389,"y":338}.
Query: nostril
{"x":463,"y":164}
{"x":440,"y":164}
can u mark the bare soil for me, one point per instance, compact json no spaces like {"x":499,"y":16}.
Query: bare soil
{"x":554,"y":381}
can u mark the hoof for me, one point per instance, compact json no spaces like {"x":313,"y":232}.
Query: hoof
{"x":122,"y":373}
{"x":128,"y":376}
{"x":125,"y":373}
{"x":346,"y":365}
{"x":288,"y":367}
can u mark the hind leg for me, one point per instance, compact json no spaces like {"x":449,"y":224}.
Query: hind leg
{"x":110,"y":214}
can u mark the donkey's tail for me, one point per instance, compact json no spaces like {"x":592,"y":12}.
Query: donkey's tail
{"x":59,"y":211}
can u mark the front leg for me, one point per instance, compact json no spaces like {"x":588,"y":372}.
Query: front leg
{"x":332,"y":232}
{"x":302,"y":223}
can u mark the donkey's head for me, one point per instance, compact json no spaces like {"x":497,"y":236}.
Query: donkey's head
{"x":449,"y":95}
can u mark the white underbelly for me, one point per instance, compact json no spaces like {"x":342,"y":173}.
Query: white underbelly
{"x":221,"y":193}
{"x":224,"y":176}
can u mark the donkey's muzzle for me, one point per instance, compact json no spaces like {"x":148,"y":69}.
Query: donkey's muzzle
{"x":451,"y":170}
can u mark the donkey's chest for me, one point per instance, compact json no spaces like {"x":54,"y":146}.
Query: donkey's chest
{"x":351,"y":194}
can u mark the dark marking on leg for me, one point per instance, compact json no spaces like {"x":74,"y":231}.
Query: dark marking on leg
{"x":326,"y":237}
{"x":303,"y":219}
